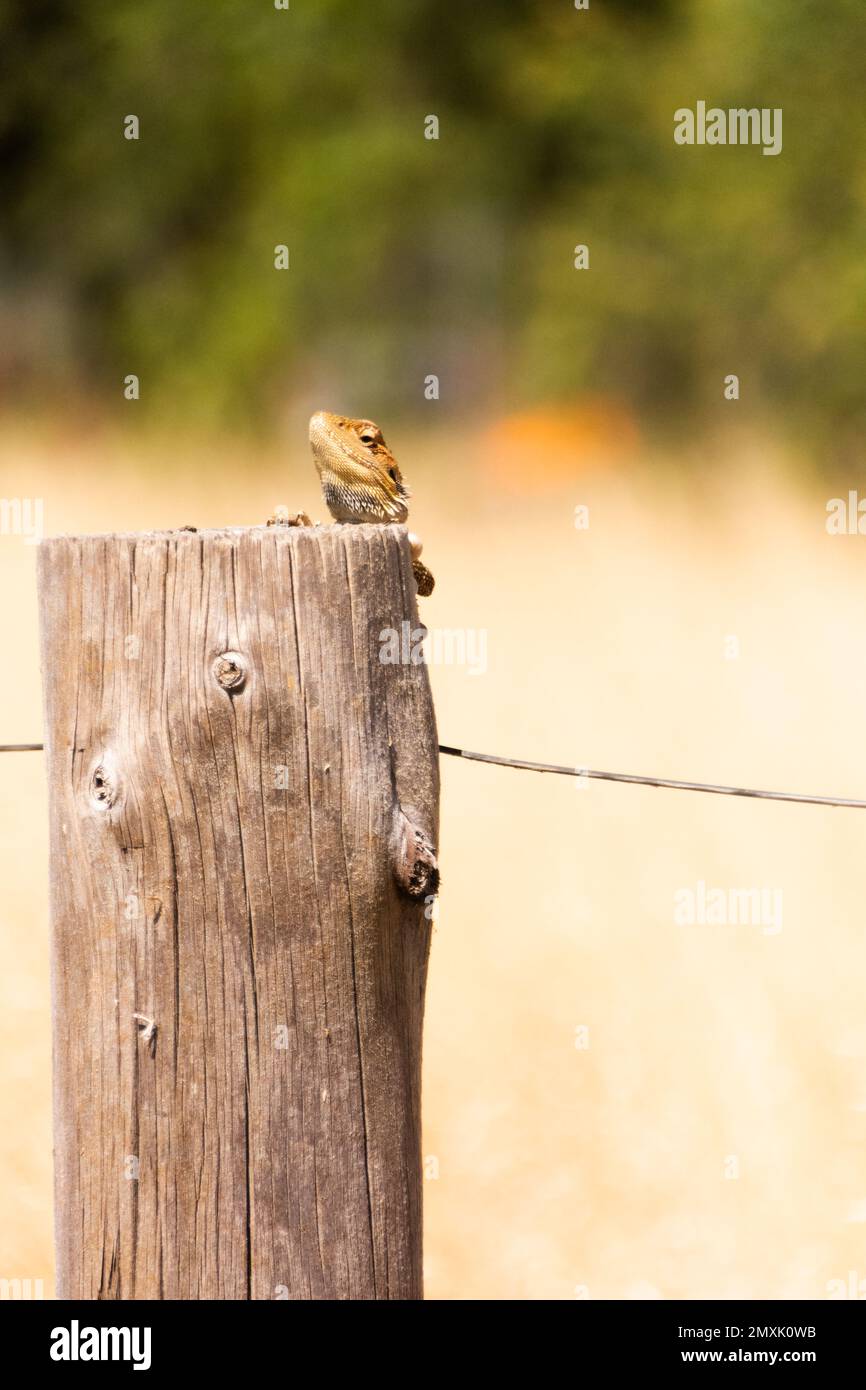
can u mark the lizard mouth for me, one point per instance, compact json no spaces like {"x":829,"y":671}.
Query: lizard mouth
{"x":325,"y":434}
{"x":319,"y":427}
{"x":327,"y":437}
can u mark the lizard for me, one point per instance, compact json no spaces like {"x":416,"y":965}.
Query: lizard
{"x":361,"y":480}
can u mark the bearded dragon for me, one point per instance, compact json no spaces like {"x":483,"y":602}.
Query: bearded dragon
{"x":361,"y":480}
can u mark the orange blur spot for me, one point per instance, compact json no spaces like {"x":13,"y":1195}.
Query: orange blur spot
{"x":544,"y":448}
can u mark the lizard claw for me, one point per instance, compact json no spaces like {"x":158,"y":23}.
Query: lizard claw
{"x":281,"y":518}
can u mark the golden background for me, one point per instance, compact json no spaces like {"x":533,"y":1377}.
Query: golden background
{"x":564,"y":1172}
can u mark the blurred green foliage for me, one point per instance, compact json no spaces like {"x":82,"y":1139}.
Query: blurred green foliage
{"x":408,"y":256}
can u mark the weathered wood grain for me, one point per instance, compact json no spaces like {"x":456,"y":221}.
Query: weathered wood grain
{"x":242,"y":798}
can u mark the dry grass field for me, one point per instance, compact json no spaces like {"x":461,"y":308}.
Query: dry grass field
{"x":619,"y":1105}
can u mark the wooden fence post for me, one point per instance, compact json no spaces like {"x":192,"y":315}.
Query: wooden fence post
{"x":243,"y":805}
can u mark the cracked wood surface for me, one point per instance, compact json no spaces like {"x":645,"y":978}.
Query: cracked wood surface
{"x":238,"y":965}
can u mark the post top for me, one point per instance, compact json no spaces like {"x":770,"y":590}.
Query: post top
{"x":187,"y":533}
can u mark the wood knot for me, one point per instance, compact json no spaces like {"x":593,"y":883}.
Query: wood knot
{"x":230,"y":671}
{"x":104,"y":786}
{"x":413,"y":858}
{"x":147,"y":1030}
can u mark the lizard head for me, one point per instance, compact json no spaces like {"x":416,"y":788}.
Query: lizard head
{"x":361,"y":479}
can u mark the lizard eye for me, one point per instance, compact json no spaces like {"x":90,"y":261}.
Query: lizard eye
{"x":392,"y":475}
{"x":367,"y":437}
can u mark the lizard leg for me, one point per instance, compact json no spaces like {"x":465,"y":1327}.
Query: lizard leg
{"x":423,"y":578}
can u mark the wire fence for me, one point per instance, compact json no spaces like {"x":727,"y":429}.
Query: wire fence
{"x":632,"y":778}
